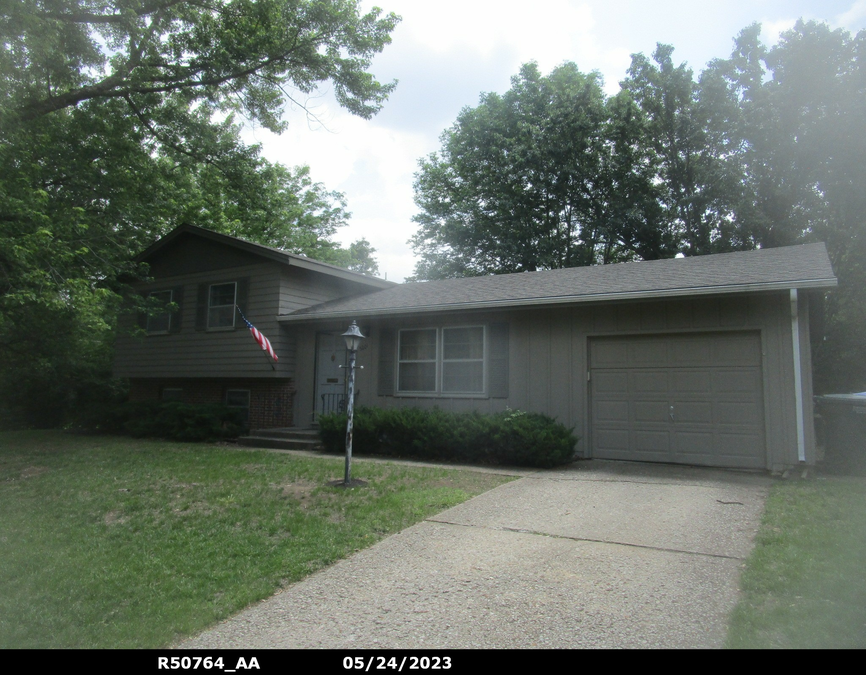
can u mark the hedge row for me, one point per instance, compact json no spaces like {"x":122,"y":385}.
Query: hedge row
{"x":510,"y":437}
{"x":170,"y":419}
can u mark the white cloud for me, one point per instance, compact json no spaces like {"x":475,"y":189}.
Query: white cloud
{"x":854,"y":18}
{"x":446,"y":53}
{"x":771,"y":31}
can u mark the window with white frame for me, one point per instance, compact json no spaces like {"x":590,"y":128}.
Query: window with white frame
{"x":463,"y":360}
{"x":441,"y":360}
{"x":417,"y":358}
{"x":160,"y":323}
{"x":221,"y":305}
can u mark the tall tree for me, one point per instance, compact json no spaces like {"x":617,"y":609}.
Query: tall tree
{"x":765,"y":148}
{"x":533,"y":179}
{"x":688,"y":125}
{"x":118,"y":122}
{"x":803,"y":127}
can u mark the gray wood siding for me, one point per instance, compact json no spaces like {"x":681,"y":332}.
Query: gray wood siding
{"x":301,"y":288}
{"x":189,"y":254}
{"x":549,"y":348}
{"x":214,"y":353}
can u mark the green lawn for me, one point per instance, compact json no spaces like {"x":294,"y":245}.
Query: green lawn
{"x":113,"y":542}
{"x":805,"y":583}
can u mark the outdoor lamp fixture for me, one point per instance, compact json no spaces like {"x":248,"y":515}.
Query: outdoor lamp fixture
{"x":353,"y":339}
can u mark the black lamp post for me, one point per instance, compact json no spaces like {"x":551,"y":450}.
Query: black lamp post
{"x":353,"y":339}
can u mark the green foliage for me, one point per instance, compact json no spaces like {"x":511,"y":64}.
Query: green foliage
{"x":224,"y":55}
{"x":118,"y":122}
{"x":804,"y":140}
{"x":508,"y":438}
{"x":532,"y":180}
{"x":171,"y":420}
{"x":803,"y":585}
{"x":687,"y":136}
{"x":121,"y":543}
{"x":763,"y":149}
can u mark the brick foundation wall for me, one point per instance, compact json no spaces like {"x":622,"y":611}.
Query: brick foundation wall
{"x":272,"y":402}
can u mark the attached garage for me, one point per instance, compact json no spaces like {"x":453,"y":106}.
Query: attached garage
{"x":693,"y":399}
{"x":701,"y":360}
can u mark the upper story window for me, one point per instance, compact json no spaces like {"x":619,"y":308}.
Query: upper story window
{"x":441,"y":360}
{"x":221,"y":305}
{"x":160,"y":323}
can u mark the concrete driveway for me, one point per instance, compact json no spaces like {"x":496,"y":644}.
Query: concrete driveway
{"x":601,"y":554}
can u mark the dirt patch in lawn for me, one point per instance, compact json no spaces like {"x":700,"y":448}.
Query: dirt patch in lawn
{"x":33,"y":471}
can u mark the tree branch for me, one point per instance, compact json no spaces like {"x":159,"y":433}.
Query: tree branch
{"x":111,"y":87}
{"x":88,"y":17}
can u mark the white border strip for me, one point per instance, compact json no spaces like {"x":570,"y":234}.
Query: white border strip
{"x":798,"y":376}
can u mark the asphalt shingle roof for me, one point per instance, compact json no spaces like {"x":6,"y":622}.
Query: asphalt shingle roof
{"x":805,"y":266}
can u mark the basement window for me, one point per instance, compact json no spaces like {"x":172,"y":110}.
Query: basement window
{"x":172,"y":394}
{"x":240,"y":399}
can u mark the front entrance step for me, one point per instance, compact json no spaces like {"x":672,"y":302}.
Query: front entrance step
{"x":282,"y":439}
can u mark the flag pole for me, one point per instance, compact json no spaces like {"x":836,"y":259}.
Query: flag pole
{"x":246,"y":321}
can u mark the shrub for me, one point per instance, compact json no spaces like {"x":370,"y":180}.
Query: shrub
{"x":174,"y":420}
{"x":510,"y":437}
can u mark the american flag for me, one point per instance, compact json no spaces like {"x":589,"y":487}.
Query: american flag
{"x":264,"y":343}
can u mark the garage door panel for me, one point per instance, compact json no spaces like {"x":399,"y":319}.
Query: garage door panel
{"x":693,"y":412}
{"x":611,"y":383}
{"x":712,"y":383}
{"x":694,"y":442}
{"x":691,"y":352}
{"x":698,"y":381}
{"x":745,"y":450}
{"x":648,"y":382}
{"x":650,"y":411}
{"x":736,"y":382}
{"x":612,"y":411}
{"x":610,"y":355}
{"x":737,"y":351}
{"x":651,"y":441}
{"x":738,"y":413}
{"x":612,"y":440}
{"x":648,"y":354}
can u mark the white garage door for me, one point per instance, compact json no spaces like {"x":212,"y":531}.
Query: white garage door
{"x":690,"y":399}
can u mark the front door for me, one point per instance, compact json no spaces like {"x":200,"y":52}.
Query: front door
{"x":330,"y":376}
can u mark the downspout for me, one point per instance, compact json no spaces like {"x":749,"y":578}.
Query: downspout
{"x":798,"y":376}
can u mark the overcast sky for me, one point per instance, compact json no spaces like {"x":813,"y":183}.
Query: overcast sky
{"x":446,"y":53}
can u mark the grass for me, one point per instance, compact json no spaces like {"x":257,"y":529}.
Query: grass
{"x":804,"y":585}
{"x":113,"y":542}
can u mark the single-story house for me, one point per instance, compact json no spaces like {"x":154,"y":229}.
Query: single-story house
{"x":703,"y":360}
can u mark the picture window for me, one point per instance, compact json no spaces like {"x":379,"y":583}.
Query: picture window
{"x":441,"y":360}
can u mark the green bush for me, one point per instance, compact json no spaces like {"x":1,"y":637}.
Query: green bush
{"x":510,"y":437}
{"x":173,"y":420}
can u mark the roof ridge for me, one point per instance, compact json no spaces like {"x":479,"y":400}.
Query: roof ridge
{"x":276,"y":254}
